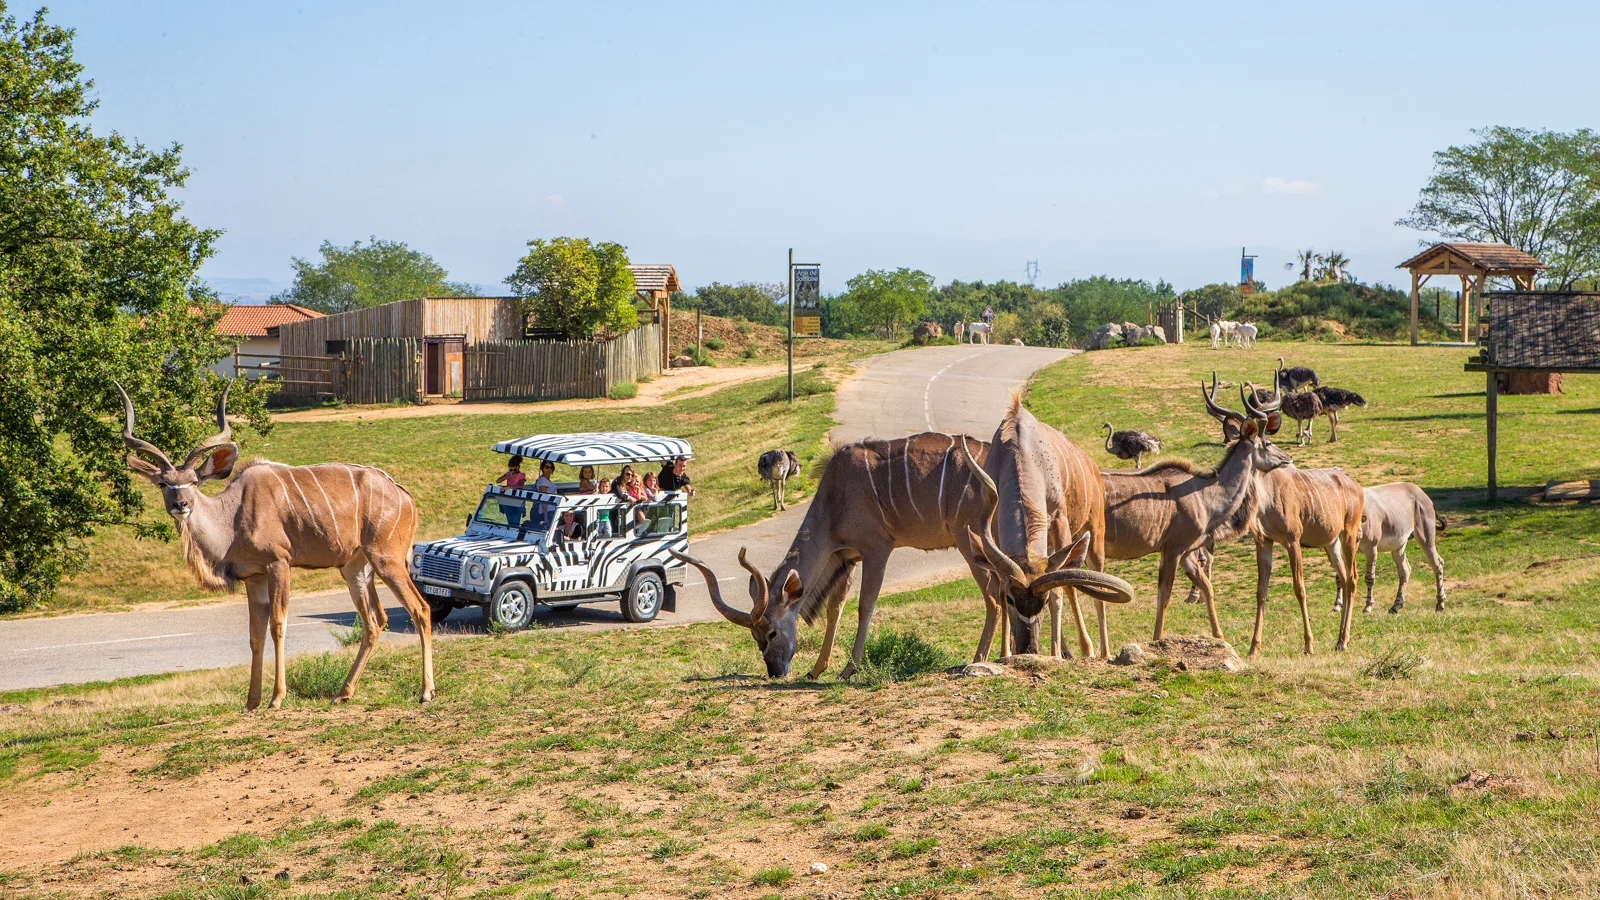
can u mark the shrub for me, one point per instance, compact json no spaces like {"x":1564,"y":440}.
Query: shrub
{"x":743,"y":328}
{"x":1151,"y":341}
{"x":897,"y":656}
{"x":1395,"y":663}
{"x":715,"y":343}
{"x":776,"y":876}
{"x":627,"y":390}
{"x":317,"y":675}
{"x":748,"y":353}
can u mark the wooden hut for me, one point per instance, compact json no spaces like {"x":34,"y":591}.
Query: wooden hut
{"x":444,"y":325}
{"x":655,"y":283}
{"x":1474,"y":264}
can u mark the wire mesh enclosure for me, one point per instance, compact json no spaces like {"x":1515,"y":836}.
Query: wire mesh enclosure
{"x":1543,"y":329}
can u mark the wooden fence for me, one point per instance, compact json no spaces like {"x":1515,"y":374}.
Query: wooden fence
{"x":383,"y":370}
{"x":559,"y":370}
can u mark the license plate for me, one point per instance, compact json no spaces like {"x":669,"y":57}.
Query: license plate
{"x":435,"y":590}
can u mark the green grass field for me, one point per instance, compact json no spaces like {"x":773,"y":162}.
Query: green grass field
{"x":1444,"y":755}
{"x":445,"y":462}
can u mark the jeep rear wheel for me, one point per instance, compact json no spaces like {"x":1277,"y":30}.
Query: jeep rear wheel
{"x":511,"y":607}
{"x":644,"y":596}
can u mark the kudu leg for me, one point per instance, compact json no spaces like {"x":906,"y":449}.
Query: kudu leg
{"x":1085,"y":646}
{"x":1097,"y":563}
{"x":1168,"y":572}
{"x":1263,"y":578}
{"x":278,"y":587}
{"x":358,"y":578}
{"x":1347,"y":576}
{"x":1297,"y":570}
{"x":830,"y":630}
{"x":259,"y":599}
{"x":394,"y":574}
{"x":993,"y":616}
{"x":1058,"y":645}
{"x":1200,"y":575}
{"x":872,"y":567}
{"x":1370,"y":574}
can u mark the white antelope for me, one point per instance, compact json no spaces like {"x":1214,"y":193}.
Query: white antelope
{"x":1393,"y":515}
{"x":273,"y":517}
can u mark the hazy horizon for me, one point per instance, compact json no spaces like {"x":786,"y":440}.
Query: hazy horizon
{"x":1147,"y":141}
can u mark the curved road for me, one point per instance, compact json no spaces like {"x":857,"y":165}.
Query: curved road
{"x":954,"y":389}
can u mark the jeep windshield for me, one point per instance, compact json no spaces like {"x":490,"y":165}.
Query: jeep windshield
{"x":513,"y":512}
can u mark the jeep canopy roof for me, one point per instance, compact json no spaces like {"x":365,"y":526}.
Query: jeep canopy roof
{"x":597,"y":448}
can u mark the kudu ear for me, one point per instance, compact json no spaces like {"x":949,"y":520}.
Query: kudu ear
{"x":791,"y":585}
{"x":1250,"y":430}
{"x":976,"y":543}
{"x":1069,"y":557}
{"x":219,"y":464}
{"x":144,"y":467}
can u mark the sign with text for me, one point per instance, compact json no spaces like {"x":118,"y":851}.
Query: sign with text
{"x":807,"y":301}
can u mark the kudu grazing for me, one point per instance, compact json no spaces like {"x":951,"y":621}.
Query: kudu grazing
{"x":273,"y":517}
{"x":1044,"y":512}
{"x":1175,"y":508}
{"x":874,"y":496}
{"x":1394,"y":514}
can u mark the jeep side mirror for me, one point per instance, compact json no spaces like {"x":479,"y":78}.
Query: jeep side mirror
{"x":469,"y":520}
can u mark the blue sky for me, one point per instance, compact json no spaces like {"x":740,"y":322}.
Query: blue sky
{"x":1134,"y":139}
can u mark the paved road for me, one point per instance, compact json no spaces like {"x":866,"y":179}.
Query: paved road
{"x":954,"y":389}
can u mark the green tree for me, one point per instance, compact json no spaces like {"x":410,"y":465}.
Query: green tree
{"x":1538,"y":191}
{"x":886,"y":300}
{"x":97,"y":283}
{"x":373,"y":274}
{"x":745,"y":300}
{"x":576,"y":287}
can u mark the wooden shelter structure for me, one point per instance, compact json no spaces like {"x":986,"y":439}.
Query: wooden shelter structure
{"x":1474,"y":264}
{"x":655,"y":283}
{"x":1534,"y":336}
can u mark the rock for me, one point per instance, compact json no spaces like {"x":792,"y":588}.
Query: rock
{"x":1158,"y":331}
{"x":1476,"y":780}
{"x":1033,"y":662}
{"x":926,"y":332}
{"x":818,"y":868}
{"x":1099,"y":864}
{"x":1524,"y":737}
{"x":680,"y":362}
{"x":1134,"y":812}
{"x":1129,"y":655}
{"x":1200,"y":654}
{"x":982,"y":670}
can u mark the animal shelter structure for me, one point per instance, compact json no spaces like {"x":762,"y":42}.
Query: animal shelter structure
{"x":1531,"y":338}
{"x":1474,"y":264}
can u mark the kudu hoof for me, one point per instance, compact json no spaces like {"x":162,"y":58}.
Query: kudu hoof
{"x":848,"y":672}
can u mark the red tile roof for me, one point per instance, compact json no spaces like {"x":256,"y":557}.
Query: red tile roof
{"x":253,"y":321}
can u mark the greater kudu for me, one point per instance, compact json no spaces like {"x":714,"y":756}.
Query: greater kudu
{"x":1047,"y":497}
{"x":1306,"y":508}
{"x":272,"y":517}
{"x":1174,"y":508}
{"x":874,"y":496}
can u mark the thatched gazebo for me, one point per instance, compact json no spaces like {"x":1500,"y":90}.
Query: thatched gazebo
{"x":1474,"y":264}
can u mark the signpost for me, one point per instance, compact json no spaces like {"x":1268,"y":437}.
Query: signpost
{"x":805,"y":313}
{"x":1247,"y":273}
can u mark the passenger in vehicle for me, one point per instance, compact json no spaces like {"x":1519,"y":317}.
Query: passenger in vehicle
{"x":675,"y":476}
{"x":544,"y":509}
{"x":619,"y":486}
{"x":513,"y":478}
{"x":569,"y":528}
{"x":543,"y":483}
{"x":586,"y":480}
{"x":649,"y":488}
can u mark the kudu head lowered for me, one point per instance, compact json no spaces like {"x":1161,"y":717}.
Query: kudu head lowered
{"x":1252,"y":427}
{"x":772,"y":625}
{"x":1027,"y":583}
{"x":211,"y":459}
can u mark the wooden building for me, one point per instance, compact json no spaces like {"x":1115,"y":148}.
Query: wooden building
{"x":655,"y":283}
{"x":1474,"y":264}
{"x":253,"y":327}
{"x":444,"y":325}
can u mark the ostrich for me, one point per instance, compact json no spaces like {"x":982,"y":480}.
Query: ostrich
{"x":1296,"y":377}
{"x":1333,"y":401}
{"x":1130,"y":444}
{"x":1303,"y":408}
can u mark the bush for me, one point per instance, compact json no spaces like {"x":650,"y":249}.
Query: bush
{"x":805,"y":385}
{"x":748,"y":353}
{"x":897,"y":656}
{"x":317,"y":675}
{"x":1151,"y":341}
{"x":715,"y":343}
{"x":742,"y":328}
{"x":627,"y":390}
{"x":776,"y":876}
{"x":1395,"y":663}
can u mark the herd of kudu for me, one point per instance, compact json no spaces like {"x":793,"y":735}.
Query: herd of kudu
{"x":1032,"y":514}
{"x":1035,"y":518}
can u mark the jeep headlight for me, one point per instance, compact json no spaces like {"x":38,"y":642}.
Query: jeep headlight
{"x":475,"y":571}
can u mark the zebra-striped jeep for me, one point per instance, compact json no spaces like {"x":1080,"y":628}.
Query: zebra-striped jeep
{"x":513,"y":555}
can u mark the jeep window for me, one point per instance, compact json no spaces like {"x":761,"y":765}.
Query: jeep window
{"x":661,"y":518}
{"x":513,"y":512}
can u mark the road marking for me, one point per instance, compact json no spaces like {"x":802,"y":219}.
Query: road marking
{"x":927,"y":392}
{"x":154,"y":637}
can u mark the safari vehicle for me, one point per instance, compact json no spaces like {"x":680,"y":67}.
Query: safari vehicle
{"x":511,"y":557}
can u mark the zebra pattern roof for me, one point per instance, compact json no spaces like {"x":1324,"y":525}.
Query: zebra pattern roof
{"x":597,"y":448}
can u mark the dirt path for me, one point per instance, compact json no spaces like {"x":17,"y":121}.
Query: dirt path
{"x":675,"y":384}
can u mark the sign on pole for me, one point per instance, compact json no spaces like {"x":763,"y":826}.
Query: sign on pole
{"x":1247,"y":273}
{"x":807,"y":293}
{"x":988,"y":313}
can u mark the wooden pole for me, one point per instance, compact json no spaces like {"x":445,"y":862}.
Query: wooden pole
{"x":1413,"y":307}
{"x":1466,"y":306}
{"x":1491,"y":393}
{"x":791,"y":324}
{"x":697,"y":333}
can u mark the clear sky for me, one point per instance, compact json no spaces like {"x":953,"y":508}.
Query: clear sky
{"x":1133,"y":139}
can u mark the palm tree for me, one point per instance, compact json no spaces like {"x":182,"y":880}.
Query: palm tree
{"x":1336,"y":266}
{"x":1304,"y":259}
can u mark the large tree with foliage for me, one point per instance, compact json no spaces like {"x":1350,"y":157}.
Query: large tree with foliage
{"x":745,"y":300}
{"x":576,"y":287}
{"x":370,"y":274}
{"x":886,"y":300}
{"x":97,"y":284}
{"x":1538,"y":191}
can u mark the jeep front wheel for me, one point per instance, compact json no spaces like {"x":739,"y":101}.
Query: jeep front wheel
{"x":511,"y":607}
{"x":643,"y":599}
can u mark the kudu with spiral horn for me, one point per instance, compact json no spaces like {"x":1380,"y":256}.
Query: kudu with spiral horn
{"x":271,"y":518}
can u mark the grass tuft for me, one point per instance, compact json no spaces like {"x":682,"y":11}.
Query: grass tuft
{"x":627,"y":390}
{"x":901,"y":655}
{"x":1394,"y":663}
{"x":317,"y":675}
{"x":777,"y":876}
